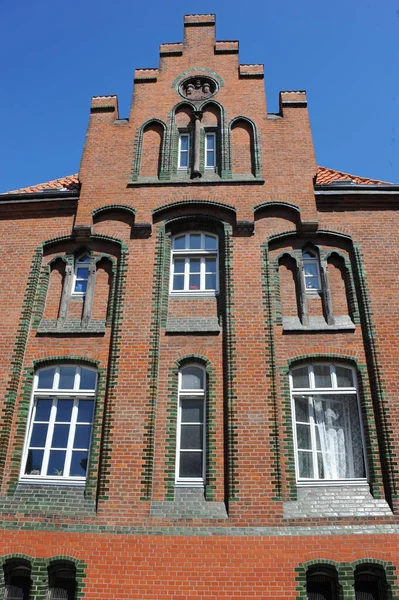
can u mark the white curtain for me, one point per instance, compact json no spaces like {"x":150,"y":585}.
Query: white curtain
{"x":330,"y":424}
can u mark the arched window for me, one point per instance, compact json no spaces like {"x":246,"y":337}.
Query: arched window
{"x":17,"y":580}
{"x":194,"y":266}
{"x":61,"y":417}
{"x":327,"y":429}
{"x":311,"y":271}
{"x":321,"y":583}
{"x":62,"y":581}
{"x":81,"y":275}
{"x":190,"y":458}
{"x":370,"y":583}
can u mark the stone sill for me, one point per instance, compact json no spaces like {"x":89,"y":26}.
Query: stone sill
{"x":52,"y":326}
{"x":343,"y":323}
{"x":192,"y":325}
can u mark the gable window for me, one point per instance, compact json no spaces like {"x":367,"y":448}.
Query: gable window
{"x":210,"y":150}
{"x":17,"y":580}
{"x":59,"y":433}
{"x":194,"y":263}
{"x":190,"y":457}
{"x":327,"y":429}
{"x":311,"y":271}
{"x":62,"y":581}
{"x":184,"y":151}
{"x":81,"y":275}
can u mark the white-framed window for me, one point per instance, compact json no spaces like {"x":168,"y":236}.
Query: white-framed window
{"x":328,"y":435}
{"x":191,"y":424}
{"x":210,"y":150}
{"x":58,"y":437}
{"x":194,"y":267}
{"x":81,"y":275}
{"x":311,"y":271}
{"x":184,"y":151}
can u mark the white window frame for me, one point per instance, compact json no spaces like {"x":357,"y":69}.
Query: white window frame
{"x":311,"y":261}
{"x":55,"y":395}
{"x":313,"y":390}
{"x":187,"y":254}
{"x":79,"y":264}
{"x":182,"y":395}
{"x":209,"y":134}
{"x":180,"y":152}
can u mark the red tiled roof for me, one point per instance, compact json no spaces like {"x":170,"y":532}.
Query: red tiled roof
{"x":70,"y":182}
{"x":325,"y":176}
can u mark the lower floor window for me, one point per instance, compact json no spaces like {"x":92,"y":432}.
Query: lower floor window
{"x":59,"y":433}
{"x":327,"y":428}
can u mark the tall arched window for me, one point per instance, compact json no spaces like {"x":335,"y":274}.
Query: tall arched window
{"x":81,"y":275}
{"x":194,"y":267}
{"x":17,"y":580}
{"x":62,"y":581}
{"x":190,"y":456}
{"x":61,"y":417}
{"x":311,"y":271}
{"x":327,"y":429}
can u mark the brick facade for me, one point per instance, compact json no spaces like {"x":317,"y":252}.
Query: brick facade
{"x":252,"y":530}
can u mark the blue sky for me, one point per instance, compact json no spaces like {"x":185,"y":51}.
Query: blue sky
{"x":55,"y":55}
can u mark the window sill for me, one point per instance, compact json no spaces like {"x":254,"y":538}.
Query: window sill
{"x":192,"y":325}
{"x":343,"y":323}
{"x":208,"y":178}
{"x":196,"y":294}
{"x":55,"y":481}
{"x":53,"y":326}
{"x":351,"y":498}
{"x":189,"y":503}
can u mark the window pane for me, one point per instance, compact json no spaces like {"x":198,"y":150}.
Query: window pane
{"x":210,"y":242}
{"x":190,"y":464}
{"x":322,"y":376}
{"x":191,"y":437}
{"x":302,"y":410}
{"x":179,"y":243}
{"x":210,"y":158}
{"x":67,"y":378}
{"x":81,"y":286}
{"x":195,"y":265}
{"x":184,"y":159}
{"x":305,"y":464}
{"x":184,"y":142}
{"x":320,"y":465}
{"x":195,"y":282}
{"x":82,"y":436}
{"x":64,"y":411}
{"x":210,"y":265}
{"x":344,"y":377}
{"x":34,"y":462}
{"x":85,"y":411}
{"x":312,"y":283}
{"x":210,"y":142}
{"x":210,"y":281}
{"x":300,"y":378}
{"x":192,"y":411}
{"x":56,"y":463}
{"x":303,"y":437}
{"x":39,"y":434}
{"x":192,"y":378}
{"x":87,"y":379}
{"x":43,"y":408}
{"x":82,"y":273}
{"x":195,"y":241}
{"x":79,"y":463}
{"x":308,"y":254}
{"x":60,"y":436}
{"x":178,"y":282}
{"x":310,"y":269}
{"x":179,"y":266}
{"x":46,"y":377}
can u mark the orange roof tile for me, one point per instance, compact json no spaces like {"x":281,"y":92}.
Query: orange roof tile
{"x":325,"y":176}
{"x":68,"y":183}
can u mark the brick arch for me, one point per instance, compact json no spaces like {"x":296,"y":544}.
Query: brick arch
{"x":186,"y":358}
{"x":227,"y":212}
{"x":254,"y":136}
{"x":138,"y":152}
{"x":129,"y":211}
{"x":302,"y":569}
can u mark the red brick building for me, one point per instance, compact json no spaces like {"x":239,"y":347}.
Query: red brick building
{"x":199,"y":346}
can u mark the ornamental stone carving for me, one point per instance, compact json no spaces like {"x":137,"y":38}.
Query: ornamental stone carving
{"x":198,"y":88}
